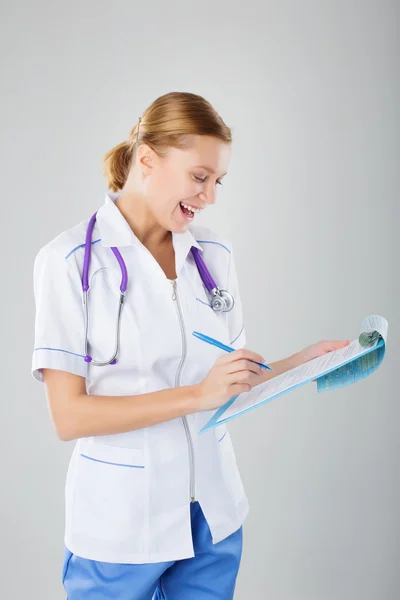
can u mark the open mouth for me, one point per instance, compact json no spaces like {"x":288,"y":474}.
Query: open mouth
{"x":187,"y":212}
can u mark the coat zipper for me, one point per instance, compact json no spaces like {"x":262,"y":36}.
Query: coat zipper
{"x":175,"y":298}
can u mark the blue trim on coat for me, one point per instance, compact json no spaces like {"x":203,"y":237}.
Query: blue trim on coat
{"x":112,"y":463}
{"x":198,"y":241}
{"x":238,"y":336}
{"x":212,"y":242}
{"x":61,"y":350}
{"x":80,"y":246}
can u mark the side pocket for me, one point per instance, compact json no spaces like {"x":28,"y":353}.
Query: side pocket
{"x":221,"y":432}
{"x":211,"y":322}
{"x":109,"y":493}
{"x":112,"y":455}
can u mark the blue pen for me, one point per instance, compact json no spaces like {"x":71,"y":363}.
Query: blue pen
{"x":211,"y":340}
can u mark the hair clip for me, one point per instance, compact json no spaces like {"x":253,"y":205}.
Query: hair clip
{"x":137,"y":135}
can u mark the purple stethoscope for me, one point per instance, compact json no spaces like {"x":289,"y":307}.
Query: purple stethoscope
{"x":221,"y":300}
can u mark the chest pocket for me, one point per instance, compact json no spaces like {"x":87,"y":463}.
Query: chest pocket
{"x":210,"y":322}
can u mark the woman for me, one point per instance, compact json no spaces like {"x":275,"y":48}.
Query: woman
{"x":151,"y":506}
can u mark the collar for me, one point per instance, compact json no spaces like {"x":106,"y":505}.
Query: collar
{"x":115,"y":231}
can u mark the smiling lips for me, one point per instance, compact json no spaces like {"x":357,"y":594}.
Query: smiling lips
{"x":189,"y":211}
{"x":193,"y":209}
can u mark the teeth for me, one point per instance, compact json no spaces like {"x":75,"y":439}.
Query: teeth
{"x":194,"y":210}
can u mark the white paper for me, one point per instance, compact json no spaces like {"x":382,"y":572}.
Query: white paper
{"x":346,"y":365}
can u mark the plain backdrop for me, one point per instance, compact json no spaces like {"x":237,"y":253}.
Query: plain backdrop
{"x":311,"y":203}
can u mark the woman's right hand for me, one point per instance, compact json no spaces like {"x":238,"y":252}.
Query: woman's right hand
{"x":232,"y":374}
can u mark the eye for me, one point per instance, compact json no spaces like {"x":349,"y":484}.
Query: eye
{"x":203,"y":180}
{"x":199,"y":179}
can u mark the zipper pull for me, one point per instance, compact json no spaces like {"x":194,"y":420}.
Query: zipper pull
{"x":173,"y":281}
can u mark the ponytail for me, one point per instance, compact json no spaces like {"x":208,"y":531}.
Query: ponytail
{"x":117,"y":163}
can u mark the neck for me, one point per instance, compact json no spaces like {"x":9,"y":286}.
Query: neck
{"x":142,"y":222}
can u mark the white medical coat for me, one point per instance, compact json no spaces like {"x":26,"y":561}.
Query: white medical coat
{"x":127,"y":496}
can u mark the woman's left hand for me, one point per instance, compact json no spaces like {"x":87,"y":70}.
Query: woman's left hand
{"x":321,"y":348}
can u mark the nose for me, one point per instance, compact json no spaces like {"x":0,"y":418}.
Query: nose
{"x":209,"y":196}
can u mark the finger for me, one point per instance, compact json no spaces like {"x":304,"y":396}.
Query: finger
{"x":240,"y":354}
{"x":241,"y":377}
{"x":239,"y":388}
{"x":335,"y":345}
{"x":243,"y":365}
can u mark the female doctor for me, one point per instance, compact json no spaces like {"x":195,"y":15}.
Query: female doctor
{"x":151,"y":507}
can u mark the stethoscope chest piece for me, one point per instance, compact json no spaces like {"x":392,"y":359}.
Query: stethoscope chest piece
{"x":222,"y":301}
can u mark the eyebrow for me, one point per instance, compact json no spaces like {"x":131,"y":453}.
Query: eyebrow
{"x":208,"y":169}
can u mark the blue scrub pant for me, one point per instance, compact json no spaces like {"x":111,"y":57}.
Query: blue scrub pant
{"x":211,"y":574}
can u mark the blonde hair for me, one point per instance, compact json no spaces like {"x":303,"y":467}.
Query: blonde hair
{"x":167,"y":122}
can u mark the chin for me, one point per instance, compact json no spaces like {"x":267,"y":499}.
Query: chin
{"x":177,"y":223}
{"x":178,"y":228}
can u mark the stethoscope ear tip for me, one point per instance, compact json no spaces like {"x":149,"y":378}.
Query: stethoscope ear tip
{"x":89,"y":359}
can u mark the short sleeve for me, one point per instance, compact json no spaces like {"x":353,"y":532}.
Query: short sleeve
{"x":237,"y":332}
{"x":59,"y":317}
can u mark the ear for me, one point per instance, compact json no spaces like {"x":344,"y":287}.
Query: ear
{"x":145,"y":158}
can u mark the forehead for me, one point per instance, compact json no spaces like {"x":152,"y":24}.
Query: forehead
{"x":206,"y":151}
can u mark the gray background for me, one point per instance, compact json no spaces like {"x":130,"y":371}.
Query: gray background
{"x":311,"y":90}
